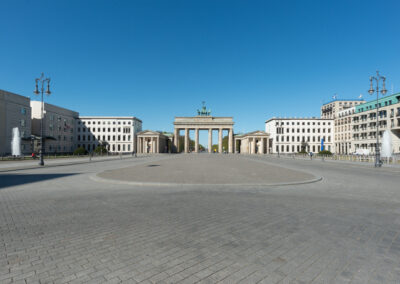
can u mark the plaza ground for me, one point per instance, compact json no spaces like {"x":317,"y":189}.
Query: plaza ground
{"x":200,"y":219}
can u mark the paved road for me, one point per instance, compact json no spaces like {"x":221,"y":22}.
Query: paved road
{"x":58,"y":225}
{"x":208,"y":170}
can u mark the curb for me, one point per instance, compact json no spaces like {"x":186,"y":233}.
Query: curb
{"x":168,"y":184}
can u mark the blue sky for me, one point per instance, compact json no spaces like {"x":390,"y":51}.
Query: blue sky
{"x":158,"y":59}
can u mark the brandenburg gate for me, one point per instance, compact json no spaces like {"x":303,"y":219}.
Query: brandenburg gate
{"x":203,"y":121}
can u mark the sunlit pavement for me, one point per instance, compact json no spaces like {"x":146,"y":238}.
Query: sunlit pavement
{"x":77,"y":224}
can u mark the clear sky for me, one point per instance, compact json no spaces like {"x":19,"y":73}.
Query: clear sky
{"x":158,"y":59}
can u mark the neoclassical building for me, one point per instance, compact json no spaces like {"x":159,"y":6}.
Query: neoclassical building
{"x":203,"y":121}
{"x":154,"y":142}
{"x":256,"y":142}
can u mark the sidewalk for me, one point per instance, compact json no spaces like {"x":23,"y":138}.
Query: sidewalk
{"x":6,"y":166}
{"x":330,"y":160}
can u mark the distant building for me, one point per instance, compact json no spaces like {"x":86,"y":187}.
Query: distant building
{"x":15,"y":111}
{"x":293,"y":135}
{"x":256,"y":142}
{"x":154,"y":142}
{"x":116,"y":133}
{"x":58,"y":127}
{"x":331,"y":109}
{"x":344,"y":132}
{"x":364,"y":123}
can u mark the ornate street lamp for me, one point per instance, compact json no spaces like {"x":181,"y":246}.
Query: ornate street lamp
{"x":371,"y":91}
{"x":42,"y":80}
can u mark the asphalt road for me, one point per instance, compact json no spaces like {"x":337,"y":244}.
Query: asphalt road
{"x":61,"y":224}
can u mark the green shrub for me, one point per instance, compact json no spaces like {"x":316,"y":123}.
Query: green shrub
{"x":325,"y":153}
{"x":100,"y":150}
{"x":80,"y":151}
{"x":303,"y":152}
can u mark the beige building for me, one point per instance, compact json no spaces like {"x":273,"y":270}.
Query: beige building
{"x":116,"y":133}
{"x":331,"y":109}
{"x":153,"y":142}
{"x":256,"y":142}
{"x":15,"y":111}
{"x":292,"y":135}
{"x":343,"y":131}
{"x":364,"y":124}
{"x":58,"y":127}
{"x":208,"y":123}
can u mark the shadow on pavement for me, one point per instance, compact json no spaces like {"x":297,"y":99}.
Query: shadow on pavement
{"x":7,"y":180}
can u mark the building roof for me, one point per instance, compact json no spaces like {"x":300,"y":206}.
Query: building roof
{"x":384,"y":101}
{"x":253,"y":133}
{"x":151,"y":132}
{"x":109,"y":117}
{"x":298,"y":118}
{"x":344,"y":100}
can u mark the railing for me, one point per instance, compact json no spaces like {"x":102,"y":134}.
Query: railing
{"x":394,"y":160}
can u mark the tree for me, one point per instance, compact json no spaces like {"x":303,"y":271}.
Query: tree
{"x":182,"y":144}
{"x":100,"y":150}
{"x":80,"y":151}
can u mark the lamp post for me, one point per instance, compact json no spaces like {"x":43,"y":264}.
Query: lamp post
{"x":371,"y":91}
{"x":42,"y":80}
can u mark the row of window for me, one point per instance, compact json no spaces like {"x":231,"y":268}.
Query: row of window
{"x":108,"y":122}
{"x":59,"y":128}
{"x":298,"y":148}
{"x":94,"y":129}
{"x":113,"y":148}
{"x":303,"y":138}
{"x":281,"y":130}
{"x":109,"y":137}
{"x":303,"y":123}
{"x":59,"y":148}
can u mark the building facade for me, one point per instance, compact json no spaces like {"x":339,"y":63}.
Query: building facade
{"x":15,"y":112}
{"x":364,"y":124}
{"x":116,"y":133}
{"x":58,"y":127}
{"x":343,"y":131}
{"x":293,"y":135}
{"x":256,"y":142}
{"x":153,"y":142}
{"x":204,"y":122}
{"x":331,"y":109}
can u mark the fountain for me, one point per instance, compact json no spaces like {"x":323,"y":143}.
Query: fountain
{"x":386,"y":145}
{"x":16,"y":142}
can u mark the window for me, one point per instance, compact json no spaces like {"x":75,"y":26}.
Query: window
{"x":22,"y":122}
{"x":23,"y":110}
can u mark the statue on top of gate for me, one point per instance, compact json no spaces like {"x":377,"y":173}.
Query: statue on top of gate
{"x":204,"y":111}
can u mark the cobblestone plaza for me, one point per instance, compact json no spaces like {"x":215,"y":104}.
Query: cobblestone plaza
{"x":98,"y":222}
